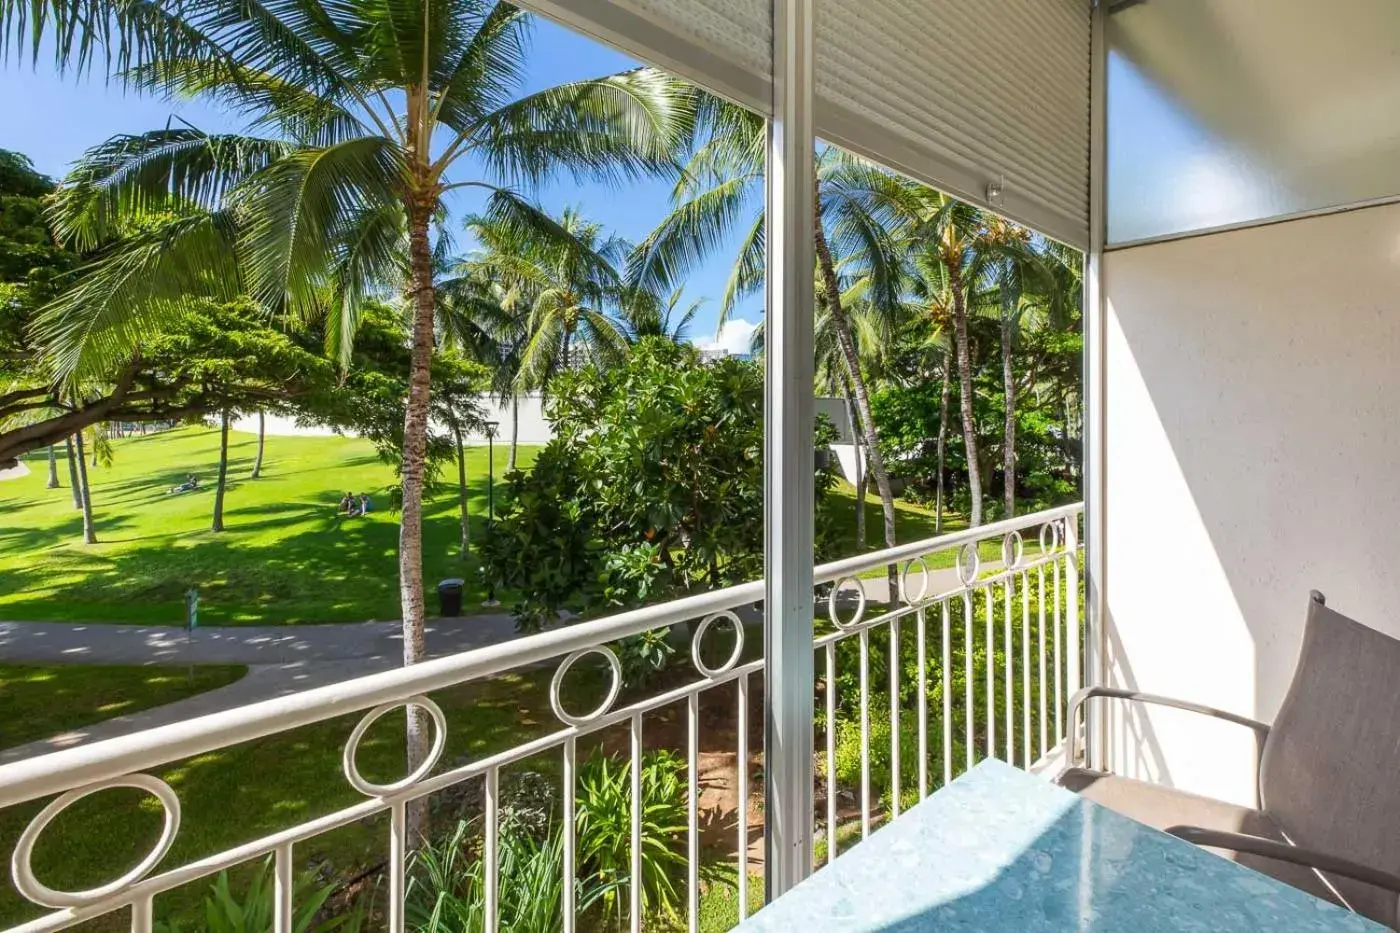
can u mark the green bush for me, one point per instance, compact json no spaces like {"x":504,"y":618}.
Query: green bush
{"x":447,"y":889}
{"x":848,"y":745}
{"x":228,"y":912}
{"x":605,"y":830}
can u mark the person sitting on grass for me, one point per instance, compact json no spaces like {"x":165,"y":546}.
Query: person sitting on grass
{"x":191,"y":483}
{"x":347,"y":504}
{"x":364,"y":504}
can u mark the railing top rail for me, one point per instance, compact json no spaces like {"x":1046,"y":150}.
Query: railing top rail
{"x":64,"y":770}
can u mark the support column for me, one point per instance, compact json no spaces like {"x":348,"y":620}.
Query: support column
{"x":788,"y":456}
{"x":1095,"y":394}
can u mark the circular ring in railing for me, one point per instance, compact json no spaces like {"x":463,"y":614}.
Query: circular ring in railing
{"x":709,"y":620}
{"x":969,"y":563}
{"x":558,"y":681}
{"x":21,"y":867}
{"x":860,"y":603}
{"x":1013,"y":548}
{"x":352,"y":746}
{"x":925,"y":582}
{"x":1051,"y":545}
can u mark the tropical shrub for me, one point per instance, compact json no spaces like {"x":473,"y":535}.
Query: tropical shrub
{"x":605,"y":830}
{"x":447,"y":892}
{"x":226,"y":911}
{"x":653,"y":483}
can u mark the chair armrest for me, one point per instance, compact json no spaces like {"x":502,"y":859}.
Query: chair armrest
{"x":1281,"y":851}
{"x":1076,"y":702}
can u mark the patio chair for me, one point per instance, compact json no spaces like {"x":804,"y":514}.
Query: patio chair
{"x":1328,"y":816}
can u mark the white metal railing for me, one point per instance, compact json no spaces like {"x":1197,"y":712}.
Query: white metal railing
{"x":1048,"y":662}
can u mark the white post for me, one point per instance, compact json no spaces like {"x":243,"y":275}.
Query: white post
{"x":1096,"y":394}
{"x":788,"y":456}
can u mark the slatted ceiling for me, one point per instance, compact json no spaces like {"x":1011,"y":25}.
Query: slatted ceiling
{"x":960,"y":93}
{"x":723,"y":45}
{"x":955,"y":93}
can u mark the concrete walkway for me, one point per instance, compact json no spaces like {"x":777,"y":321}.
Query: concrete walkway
{"x":281,"y":660}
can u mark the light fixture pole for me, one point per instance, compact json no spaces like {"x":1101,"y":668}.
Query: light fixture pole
{"x":491,"y":427}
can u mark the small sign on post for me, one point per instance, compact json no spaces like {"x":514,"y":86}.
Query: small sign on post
{"x":192,"y":609}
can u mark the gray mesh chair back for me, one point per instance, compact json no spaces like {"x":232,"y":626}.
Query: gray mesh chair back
{"x":1330,"y":771}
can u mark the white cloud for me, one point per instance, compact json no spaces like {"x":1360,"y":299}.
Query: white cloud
{"x":734,"y":337}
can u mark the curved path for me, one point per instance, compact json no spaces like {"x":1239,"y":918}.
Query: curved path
{"x":281,"y":660}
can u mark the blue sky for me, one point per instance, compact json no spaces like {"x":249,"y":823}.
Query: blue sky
{"x":53,"y":119}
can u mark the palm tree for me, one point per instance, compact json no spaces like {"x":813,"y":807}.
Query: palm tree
{"x":262,"y":440}
{"x":564,"y":279}
{"x":645,"y":315}
{"x":218,"y":524}
{"x":53,"y":468}
{"x":362,"y":115}
{"x":721,"y":188}
{"x":84,"y":491}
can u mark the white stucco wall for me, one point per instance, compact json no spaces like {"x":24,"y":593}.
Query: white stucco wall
{"x":1253,"y":446}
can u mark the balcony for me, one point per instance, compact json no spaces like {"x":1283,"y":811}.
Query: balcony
{"x":991,"y":617}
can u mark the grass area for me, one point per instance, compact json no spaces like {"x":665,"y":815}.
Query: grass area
{"x":912,"y":522}
{"x":269,"y":784}
{"x":287,"y":556}
{"x":41,"y":702}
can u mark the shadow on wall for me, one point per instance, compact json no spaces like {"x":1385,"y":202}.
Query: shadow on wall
{"x":1253,"y":439}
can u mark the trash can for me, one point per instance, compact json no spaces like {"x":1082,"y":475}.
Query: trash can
{"x":450,"y":597}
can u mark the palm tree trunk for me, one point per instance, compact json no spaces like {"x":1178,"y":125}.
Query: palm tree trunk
{"x":95,"y":438}
{"x":1008,"y":379}
{"x":73,"y":483}
{"x":53,"y":468}
{"x":415,"y":446}
{"x":262,"y":440}
{"x":846,"y":340}
{"x":85,"y":493}
{"x":514,"y":431}
{"x":944,"y":396}
{"x":965,"y":399}
{"x":462,"y":494}
{"x":223,"y":472}
{"x":861,"y":475}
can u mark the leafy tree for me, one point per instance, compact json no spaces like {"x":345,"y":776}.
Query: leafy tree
{"x":362,"y":114}
{"x":653,"y":482}
{"x":720,"y":189}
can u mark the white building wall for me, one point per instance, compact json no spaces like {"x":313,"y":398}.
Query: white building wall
{"x":1253,"y":447}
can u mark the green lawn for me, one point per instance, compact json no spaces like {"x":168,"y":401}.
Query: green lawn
{"x":911,"y":523}
{"x":41,"y":702}
{"x":287,"y":556}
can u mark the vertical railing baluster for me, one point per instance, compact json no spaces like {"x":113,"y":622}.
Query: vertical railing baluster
{"x":864,"y":733}
{"x":398,"y":855}
{"x":570,"y":832}
{"x":830,"y":751}
{"x":635,"y":883}
{"x":894,"y":717}
{"x":991,"y":671}
{"x":923,"y":707}
{"x":1025,"y":668}
{"x":491,"y":853}
{"x":947,"y":698}
{"x":1040,"y":608}
{"x":142,"y":911}
{"x":1009,"y":687}
{"x":282,"y":887}
{"x":693,"y":816}
{"x":1073,"y":679}
{"x":1059,"y":658}
{"x":968,"y":677}
{"x":743,"y":782}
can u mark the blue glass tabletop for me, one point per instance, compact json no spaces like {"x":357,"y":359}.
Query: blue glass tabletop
{"x":999,"y":850}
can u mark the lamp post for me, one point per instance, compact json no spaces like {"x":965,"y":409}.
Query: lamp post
{"x":491,"y":427}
